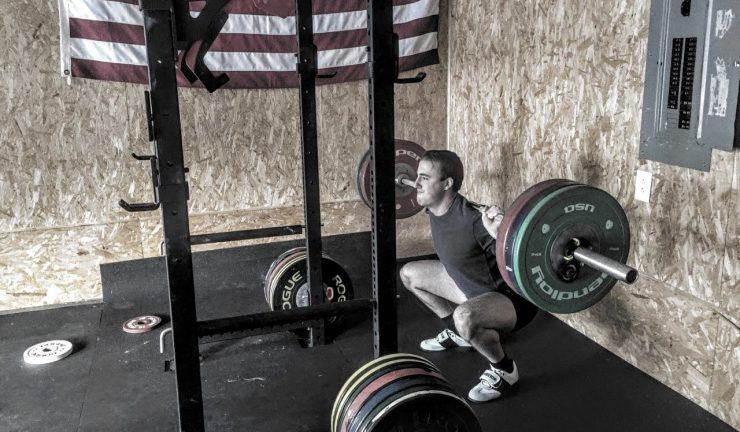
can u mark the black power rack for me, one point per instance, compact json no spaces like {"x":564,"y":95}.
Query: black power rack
{"x":169,"y":29}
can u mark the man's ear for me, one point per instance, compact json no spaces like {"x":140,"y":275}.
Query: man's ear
{"x":449,"y":182}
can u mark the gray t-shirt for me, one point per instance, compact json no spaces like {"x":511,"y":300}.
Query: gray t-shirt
{"x":465,"y":248}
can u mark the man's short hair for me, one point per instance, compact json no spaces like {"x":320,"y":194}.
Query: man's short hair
{"x":449,"y":164}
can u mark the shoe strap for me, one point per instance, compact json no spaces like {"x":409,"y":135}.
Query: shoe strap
{"x":491,"y":378}
{"x":445,"y":340}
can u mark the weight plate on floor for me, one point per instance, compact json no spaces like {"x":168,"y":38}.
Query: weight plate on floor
{"x":47,"y":352}
{"x":277,"y":261}
{"x":289,"y":261}
{"x":299,"y":255}
{"x":408,"y":381}
{"x":276,"y":267}
{"x":368,"y":372}
{"x":407,"y":157}
{"x":426,"y":410}
{"x":290,"y":288}
{"x":510,"y":224}
{"x":575,"y":211}
{"x":141,"y":324}
{"x":373,"y":380}
{"x":354,"y":385}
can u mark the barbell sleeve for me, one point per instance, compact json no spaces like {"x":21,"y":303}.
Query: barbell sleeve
{"x":405,"y":181}
{"x":607,"y":265}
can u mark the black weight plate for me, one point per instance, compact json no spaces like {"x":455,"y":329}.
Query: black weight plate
{"x":510,"y":224}
{"x":276,"y":267}
{"x":384,"y":397}
{"x":289,"y":259}
{"x":277,"y":260}
{"x":363,"y":179}
{"x":375,"y":391}
{"x":593,"y":216}
{"x":370,"y":371}
{"x":291,"y":289}
{"x":407,"y":157}
{"x":396,"y":403}
{"x":429,"y":412}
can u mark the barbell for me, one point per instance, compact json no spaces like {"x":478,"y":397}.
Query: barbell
{"x":562,"y":245}
{"x":407,"y":156}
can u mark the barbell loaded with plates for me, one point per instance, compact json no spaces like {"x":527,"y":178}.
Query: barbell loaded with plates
{"x":400,"y":393}
{"x":561,"y":245}
{"x":286,"y":282}
{"x":407,"y":157}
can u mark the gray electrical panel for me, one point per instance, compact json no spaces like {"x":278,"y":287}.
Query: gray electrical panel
{"x":690,"y":104}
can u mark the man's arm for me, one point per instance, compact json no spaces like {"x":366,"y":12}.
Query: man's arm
{"x":491,"y":217}
{"x":483,"y":227}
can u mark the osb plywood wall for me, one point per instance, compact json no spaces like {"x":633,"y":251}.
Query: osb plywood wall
{"x":553,"y":89}
{"x":66,"y":162}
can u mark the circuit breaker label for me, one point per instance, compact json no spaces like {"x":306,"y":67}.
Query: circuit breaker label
{"x":719,"y":89}
{"x":723,"y":23}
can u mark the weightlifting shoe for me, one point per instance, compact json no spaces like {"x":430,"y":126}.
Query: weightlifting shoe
{"x":445,"y":340}
{"x":493,"y":384}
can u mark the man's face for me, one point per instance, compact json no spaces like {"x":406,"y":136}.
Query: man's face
{"x":430,"y":186}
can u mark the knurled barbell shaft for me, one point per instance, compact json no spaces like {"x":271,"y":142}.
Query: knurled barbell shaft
{"x":607,"y":265}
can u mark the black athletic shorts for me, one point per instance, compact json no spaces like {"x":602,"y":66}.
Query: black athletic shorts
{"x":525,"y":311}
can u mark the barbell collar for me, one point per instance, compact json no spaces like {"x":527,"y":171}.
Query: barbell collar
{"x":607,"y":265}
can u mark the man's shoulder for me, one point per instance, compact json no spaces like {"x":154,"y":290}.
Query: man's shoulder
{"x":468,"y":209}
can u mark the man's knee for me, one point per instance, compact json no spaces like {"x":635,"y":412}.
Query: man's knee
{"x":465,"y":321}
{"x":408,"y":275}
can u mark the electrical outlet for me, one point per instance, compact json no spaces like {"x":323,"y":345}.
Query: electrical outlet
{"x":643,"y":182}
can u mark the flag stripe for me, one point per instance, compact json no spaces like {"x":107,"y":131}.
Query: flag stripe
{"x":138,"y":74}
{"x":111,"y":11}
{"x":122,"y":53}
{"x":104,"y":39}
{"x":105,"y":31}
{"x":286,"y":9}
{"x":116,"y":12}
{"x":131,"y":34}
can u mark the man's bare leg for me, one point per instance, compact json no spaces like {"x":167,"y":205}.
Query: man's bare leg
{"x":428,"y":280}
{"x":480,"y":319}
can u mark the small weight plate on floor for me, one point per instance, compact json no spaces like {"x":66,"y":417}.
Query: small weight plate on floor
{"x":575,"y":211}
{"x":47,"y":352}
{"x":141,"y":324}
{"x":510,"y":223}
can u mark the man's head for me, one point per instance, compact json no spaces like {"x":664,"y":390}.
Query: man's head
{"x":440,"y":173}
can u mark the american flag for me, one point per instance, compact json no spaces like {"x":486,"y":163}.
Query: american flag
{"x":104,"y":39}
